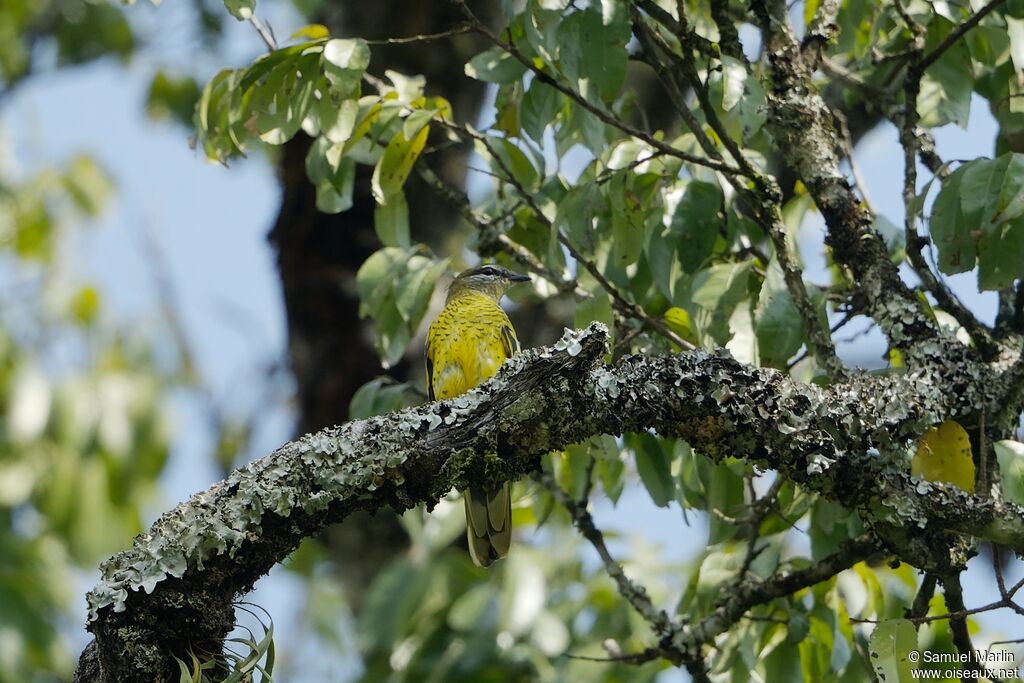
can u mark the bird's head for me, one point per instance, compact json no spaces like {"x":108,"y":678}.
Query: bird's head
{"x":489,"y":279}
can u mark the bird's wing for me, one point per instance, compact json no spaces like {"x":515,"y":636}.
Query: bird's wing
{"x":509,"y":342}
{"x":428,"y":352}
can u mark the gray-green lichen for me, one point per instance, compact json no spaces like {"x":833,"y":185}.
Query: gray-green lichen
{"x":847,"y":442}
{"x":350,"y":463}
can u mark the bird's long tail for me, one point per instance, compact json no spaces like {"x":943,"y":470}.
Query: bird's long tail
{"x":488,"y":523}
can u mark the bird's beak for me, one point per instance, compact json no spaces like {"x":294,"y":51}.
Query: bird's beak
{"x":515,"y":277}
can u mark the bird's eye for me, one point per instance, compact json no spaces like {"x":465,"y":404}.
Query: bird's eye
{"x":487,"y":270}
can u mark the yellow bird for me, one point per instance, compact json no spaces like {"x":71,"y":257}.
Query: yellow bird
{"x":466,"y":345}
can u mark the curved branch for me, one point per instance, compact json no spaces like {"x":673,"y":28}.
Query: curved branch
{"x":175,"y":586}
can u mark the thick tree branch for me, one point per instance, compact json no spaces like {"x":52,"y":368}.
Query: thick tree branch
{"x":174,"y":587}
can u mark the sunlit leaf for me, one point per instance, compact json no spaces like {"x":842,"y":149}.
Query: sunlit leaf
{"x":891,"y":643}
{"x":944,"y":455}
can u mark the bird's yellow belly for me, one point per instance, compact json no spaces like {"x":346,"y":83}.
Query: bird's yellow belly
{"x":469,"y":361}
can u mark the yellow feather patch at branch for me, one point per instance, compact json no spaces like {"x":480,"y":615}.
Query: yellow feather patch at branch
{"x":944,"y":455}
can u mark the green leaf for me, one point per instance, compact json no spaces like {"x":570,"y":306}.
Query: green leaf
{"x":597,"y":308}
{"x":603,"y":53}
{"x":734,"y":78}
{"x":948,"y":229}
{"x":170,"y":97}
{"x":289,"y":93}
{"x":831,"y":524}
{"x":85,"y":304}
{"x":344,"y":62}
{"x":88,"y":185}
{"x":584,"y":128}
{"x":396,"y":163}
{"x":470,"y":608}
{"x":990,"y":45}
{"x":946,"y":86}
{"x":540,"y":106}
{"x":506,"y":108}
{"x":572,"y":467}
{"x":514,"y":159}
{"x":652,"y":463}
{"x":334,"y":183}
{"x":416,"y":284}
{"x":415,"y":121}
{"x":495,"y":65}
{"x":890,"y":645}
{"x":993,"y":190}
{"x":678,"y":320}
{"x":752,"y":107}
{"x":780,"y":327}
{"x":349,"y":54}
{"x":723,"y":490}
{"x":184,"y":676}
{"x":240,"y":9}
{"x":375,"y":278}
{"x":575,"y":217}
{"x":337,"y":121}
{"x":718,"y":290}
{"x":696,"y":224}
{"x":979,"y":213}
{"x":1001,"y":255}
{"x":1010,"y":455}
{"x":628,"y":219}
{"x":610,"y":467}
{"x":660,"y":252}
{"x":1015,"y":31}
{"x":311,"y":32}
{"x":394,"y":287}
{"x":783,"y":662}
{"x":376,"y":397}
{"x":391,"y":221}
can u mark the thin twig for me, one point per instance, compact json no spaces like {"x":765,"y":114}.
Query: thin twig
{"x":752,"y":593}
{"x":847,"y":141}
{"x":764,"y":200}
{"x":490,"y":234}
{"x":634,"y":593}
{"x":264,"y":31}
{"x":424,"y":38}
{"x":642,"y":657}
{"x":600,"y":113}
{"x":956,"y":34}
{"x":915,"y":242}
{"x":619,"y":302}
{"x":958,"y":627}
{"x":923,"y":598}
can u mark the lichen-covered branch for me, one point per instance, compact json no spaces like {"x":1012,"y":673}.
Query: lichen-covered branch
{"x":175,"y":586}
